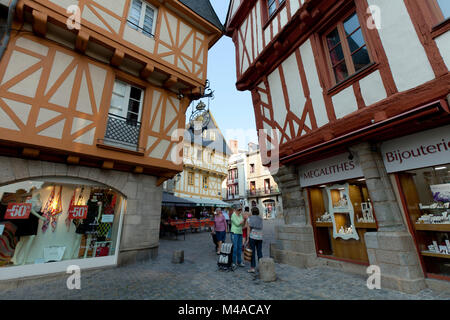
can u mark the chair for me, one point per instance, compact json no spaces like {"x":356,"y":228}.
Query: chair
{"x":195,"y":225}
{"x":181,"y":227}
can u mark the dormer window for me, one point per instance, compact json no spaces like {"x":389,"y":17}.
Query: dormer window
{"x":142,"y":17}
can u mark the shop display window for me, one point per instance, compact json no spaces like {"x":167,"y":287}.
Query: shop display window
{"x":426,"y":198}
{"x":45,"y":221}
{"x":341,"y":214}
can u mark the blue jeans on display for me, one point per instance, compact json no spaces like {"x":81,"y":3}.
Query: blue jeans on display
{"x":258,"y":245}
{"x":237,"y":247}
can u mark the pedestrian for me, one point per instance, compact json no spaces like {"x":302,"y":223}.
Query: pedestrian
{"x":237,"y":223}
{"x":255,"y":224}
{"x":220,"y":229}
{"x":245,"y":228}
{"x":227,"y":219}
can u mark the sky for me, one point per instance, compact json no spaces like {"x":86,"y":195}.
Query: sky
{"x":232,"y":109}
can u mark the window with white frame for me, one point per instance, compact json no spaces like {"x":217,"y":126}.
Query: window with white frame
{"x":127,"y":101}
{"x":142,"y":17}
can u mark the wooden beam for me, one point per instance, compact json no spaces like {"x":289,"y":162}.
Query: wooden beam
{"x":40,"y":23}
{"x":108,"y":165}
{"x":161,"y":180}
{"x":82,"y":41}
{"x":170,"y":82}
{"x":117,"y":58}
{"x":147,"y":71}
{"x":30,"y":153}
{"x":138,"y":169}
{"x":73,"y":160}
{"x":19,"y":11}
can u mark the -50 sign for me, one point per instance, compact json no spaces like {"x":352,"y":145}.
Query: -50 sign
{"x":18,"y":211}
{"x":78,"y":212}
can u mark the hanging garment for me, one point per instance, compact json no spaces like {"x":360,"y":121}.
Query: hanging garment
{"x":89,"y":224}
{"x":104,"y":228}
{"x":71,"y":204}
{"x":25,"y":227}
{"x":52,"y":210}
{"x":8,"y":243}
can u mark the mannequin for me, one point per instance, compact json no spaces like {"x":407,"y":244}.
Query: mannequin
{"x":95,"y":222}
{"x":25,"y":243}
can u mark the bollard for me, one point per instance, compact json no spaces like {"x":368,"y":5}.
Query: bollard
{"x":267,"y":270}
{"x":178,"y":256}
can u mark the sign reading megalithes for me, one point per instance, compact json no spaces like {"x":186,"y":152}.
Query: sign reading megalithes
{"x":338,"y":168}
{"x":420,"y":150}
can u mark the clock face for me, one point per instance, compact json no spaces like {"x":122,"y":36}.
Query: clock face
{"x":200,"y":117}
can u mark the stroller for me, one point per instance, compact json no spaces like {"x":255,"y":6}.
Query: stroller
{"x":225,"y":260}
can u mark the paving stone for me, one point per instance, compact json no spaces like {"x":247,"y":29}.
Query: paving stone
{"x":198,"y":278}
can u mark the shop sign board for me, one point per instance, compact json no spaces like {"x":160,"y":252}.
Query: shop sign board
{"x":107,"y":218}
{"x":17,"y":211}
{"x":339,"y":168}
{"x":78,"y":212}
{"x":420,"y":150}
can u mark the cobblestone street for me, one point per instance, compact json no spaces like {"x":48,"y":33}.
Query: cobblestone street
{"x":199,"y":279}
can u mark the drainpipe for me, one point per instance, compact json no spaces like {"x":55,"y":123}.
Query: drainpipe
{"x":11,"y":11}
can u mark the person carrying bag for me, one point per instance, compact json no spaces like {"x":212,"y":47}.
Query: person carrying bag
{"x":255,"y":224}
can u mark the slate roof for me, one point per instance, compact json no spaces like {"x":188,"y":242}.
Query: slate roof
{"x":204,"y":9}
{"x":219,"y":144}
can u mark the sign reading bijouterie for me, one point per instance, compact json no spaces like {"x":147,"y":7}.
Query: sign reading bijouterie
{"x":420,"y":150}
{"x":338,"y":168}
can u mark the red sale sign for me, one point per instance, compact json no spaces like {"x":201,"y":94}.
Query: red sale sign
{"x":78,"y":212}
{"x":18,"y":211}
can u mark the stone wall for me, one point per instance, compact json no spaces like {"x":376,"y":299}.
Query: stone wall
{"x":140,"y":231}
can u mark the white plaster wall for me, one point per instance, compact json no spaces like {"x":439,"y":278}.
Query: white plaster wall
{"x":117,"y":6}
{"x":295,"y":5}
{"x":65,"y":3}
{"x":407,"y":58}
{"x":315,"y":88}
{"x":345,"y":102}
{"x":139,"y":39}
{"x":372,"y":88}
{"x":443,"y":43}
{"x":278,"y":104}
{"x":294,"y":85}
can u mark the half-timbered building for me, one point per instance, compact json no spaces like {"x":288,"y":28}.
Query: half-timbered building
{"x":354,"y":96}
{"x":91,"y":92}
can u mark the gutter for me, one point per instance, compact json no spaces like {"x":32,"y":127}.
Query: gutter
{"x":5,"y":41}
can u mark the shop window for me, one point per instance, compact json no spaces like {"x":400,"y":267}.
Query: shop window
{"x":45,"y":221}
{"x":142,"y":17}
{"x":341,"y":214}
{"x":346,"y":48}
{"x":426,"y":198}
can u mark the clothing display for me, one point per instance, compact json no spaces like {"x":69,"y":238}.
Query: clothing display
{"x":8,"y":242}
{"x":25,"y":227}
{"x":52,"y":210}
{"x":28,"y":241}
{"x":89,"y":225}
